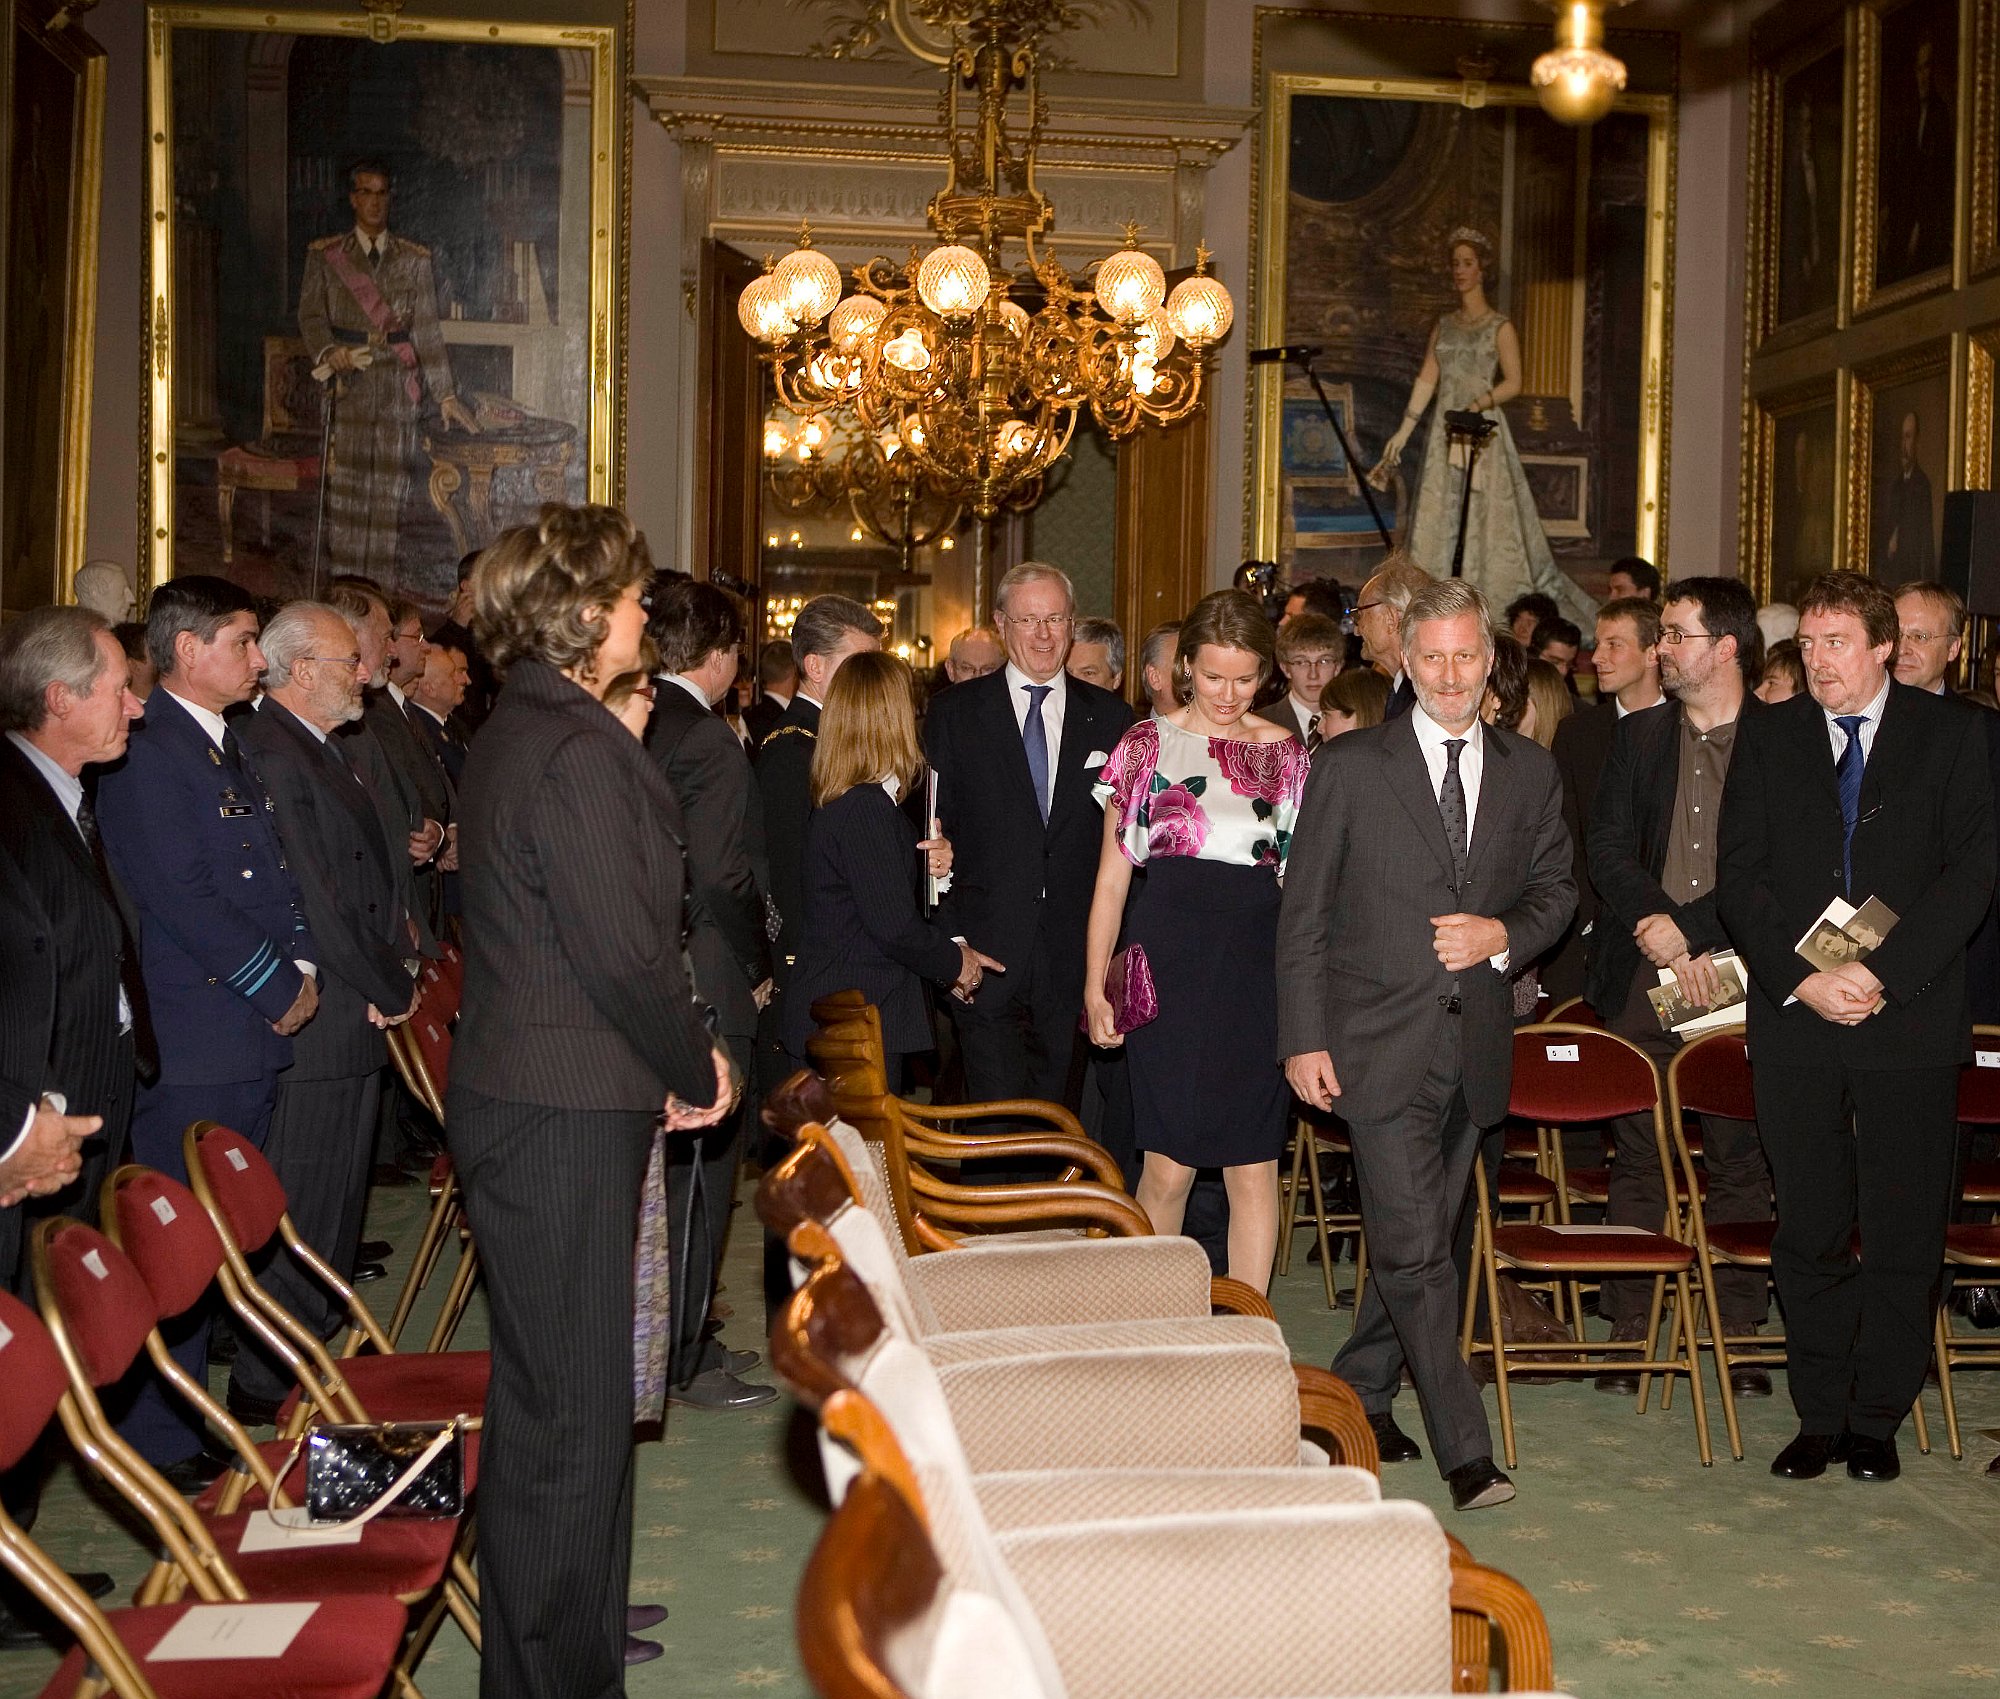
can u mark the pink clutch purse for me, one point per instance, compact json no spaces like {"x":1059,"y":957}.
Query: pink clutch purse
{"x":1128,"y":986}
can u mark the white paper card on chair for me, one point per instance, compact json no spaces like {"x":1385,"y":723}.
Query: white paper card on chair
{"x":165,"y":1211}
{"x":1550,"y":1227}
{"x":94,"y":1261}
{"x":238,"y":1161}
{"x":1986,"y":1058}
{"x":293,"y":1528}
{"x":1564,"y":1052}
{"x":232,"y":1631}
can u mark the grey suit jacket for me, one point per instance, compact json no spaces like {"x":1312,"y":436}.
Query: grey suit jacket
{"x":1369,"y":867}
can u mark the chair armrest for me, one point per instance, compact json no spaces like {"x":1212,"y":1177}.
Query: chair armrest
{"x":1085,"y":1158}
{"x":1485,"y":1602}
{"x":1328,"y":1405}
{"x":1081,"y":1202}
{"x":991,"y":1344}
{"x":1235,"y":1298}
{"x":1012,"y":1108}
{"x":1081,"y":1281}
{"x":1157,"y":1407}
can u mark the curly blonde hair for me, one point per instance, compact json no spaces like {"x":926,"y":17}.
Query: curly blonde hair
{"x":540,"y":592}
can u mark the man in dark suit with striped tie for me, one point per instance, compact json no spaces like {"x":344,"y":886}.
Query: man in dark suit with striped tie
{"x":228,"y":958}
{"x":323,"y":1125}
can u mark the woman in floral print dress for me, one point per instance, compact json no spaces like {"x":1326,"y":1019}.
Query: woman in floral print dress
{"x":1201,"y":802}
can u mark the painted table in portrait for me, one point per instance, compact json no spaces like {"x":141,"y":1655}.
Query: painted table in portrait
{"x":385,"y":276}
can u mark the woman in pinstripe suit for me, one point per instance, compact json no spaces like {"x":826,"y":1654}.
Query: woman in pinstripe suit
{"x":579,"y":1025}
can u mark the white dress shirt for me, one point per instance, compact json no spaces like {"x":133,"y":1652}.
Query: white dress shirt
{"x":371,"y":245}
{"x":693,"y":689}
{"x":1306,"y":712}
{"x":1431,"y":739}
{"x":1871,"y":723}
{"x":207,"y":718}
{"x":1018,"y":684}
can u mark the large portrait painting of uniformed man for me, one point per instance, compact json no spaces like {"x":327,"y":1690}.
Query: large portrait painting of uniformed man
{"x":387,"y":261}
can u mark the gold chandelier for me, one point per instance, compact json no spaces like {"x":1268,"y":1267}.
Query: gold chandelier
{"x":827,"y":460}
{"x":980,"y":390}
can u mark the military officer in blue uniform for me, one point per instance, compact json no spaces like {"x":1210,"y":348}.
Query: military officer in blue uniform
{"x":223,"y":942}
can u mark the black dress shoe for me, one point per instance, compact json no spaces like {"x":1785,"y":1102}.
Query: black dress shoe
{"x":639,"y":1651}
{"x":250,"y":1410}
{"x":365,"y":1272}
{"x":718,"y":1389}
{"x":94,"y":1582}
{"x":1870,"y":1459}
{"x":1806,"y":1458}
{"x":1623,"y":1382}
{"x":1394,"y":1445}
{"x":221,"y":1345}
{"x":374,"y":1250}
{"x":1747,"y":1380}
{"x":191,"y":1474}
{"x":740,"y":1362}
{"x":1477,"y":1484}
{"x":641,"y":1617}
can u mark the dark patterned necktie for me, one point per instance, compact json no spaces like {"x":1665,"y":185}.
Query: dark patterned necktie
{"x":1451,"y":805}
{"x":1847,"y":776}
{"x":1035,"y":736}
{"x":1313,"y":739}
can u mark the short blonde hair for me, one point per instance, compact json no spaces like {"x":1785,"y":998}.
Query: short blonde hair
{"x":536,"y":587}
{"x":868,"y":728}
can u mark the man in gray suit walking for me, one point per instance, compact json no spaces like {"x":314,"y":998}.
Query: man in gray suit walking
{"x":1400,"y":924}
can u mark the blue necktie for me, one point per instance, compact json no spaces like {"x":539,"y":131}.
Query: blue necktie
{"x":1848,"y":777}
{"x":1035,"y":735}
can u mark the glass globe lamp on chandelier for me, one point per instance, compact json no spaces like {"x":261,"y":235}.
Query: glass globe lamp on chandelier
{"x":1578,"y":81}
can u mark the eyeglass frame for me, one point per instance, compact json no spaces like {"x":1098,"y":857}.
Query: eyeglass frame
{"x":1048,"y":625}
{"x":1672,"y":634}
{"x":353,"y":661}
{"x":1350,"y":622}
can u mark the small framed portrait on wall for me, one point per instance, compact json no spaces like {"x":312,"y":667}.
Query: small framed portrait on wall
{"x":1900,"y":437}
{"x":1907,"y":202}
{"x":1799,"y":438}
{"x":1809,"y":152}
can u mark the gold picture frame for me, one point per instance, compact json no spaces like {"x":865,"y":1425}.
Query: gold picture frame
{"x":1791,"y":300}
{"x":1794,"y":445}
{"x":1267,"y":316}
{"x":1983,"y":192}
{"x":1919,"y":382}
{"x":567,"y":346}
{"x":1979,"y":467}
{"x":51,"y":296}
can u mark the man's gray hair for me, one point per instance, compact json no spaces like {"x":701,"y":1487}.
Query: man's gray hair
{"x":44,"y":647}
{"x":1033,"y":572}
{"x":1446,"y":598}
{"x":1158,"y":649}
{"x":1104,"y":631}
{"x":291,"y":634}
{"x":824,"y":621}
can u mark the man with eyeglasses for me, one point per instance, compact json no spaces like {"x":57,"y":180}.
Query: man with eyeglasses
{"x":323,"y":1125}
{"x":1864,"y":788}
{"x":1377,"y":620}
{"x":1016,"y":753}
{"x":1652,"y":846}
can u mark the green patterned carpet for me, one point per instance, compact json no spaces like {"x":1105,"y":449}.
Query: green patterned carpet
{"x":1657,"y":1575}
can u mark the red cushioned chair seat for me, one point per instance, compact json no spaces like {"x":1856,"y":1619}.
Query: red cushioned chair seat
{"x":1976,"y":1245}
{"x":1521,"y":1141}
{"x":345,"y":1651}
{"x":246,"y":465}
{"x":397,"y":1556}
{"x":440,"y":1172}
{"x":1531,"y":1246}
{"x":1746,"y":1242}
{"x":1520,"y":1185}
{"x":275,"y":1451}
{"x":1593,"y":1185}
{"x":414,"y":1386}
{"x":1980,"y":1183}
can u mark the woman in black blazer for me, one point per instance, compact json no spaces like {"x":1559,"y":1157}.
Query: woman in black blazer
{"x":578,"y":1029}
{"x":863,"y":928}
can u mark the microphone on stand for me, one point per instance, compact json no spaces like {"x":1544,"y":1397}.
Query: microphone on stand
{"x":1301,"y":351}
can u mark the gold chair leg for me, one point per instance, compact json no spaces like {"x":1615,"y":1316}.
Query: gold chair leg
{"x":1923,"y":1427}
{"x":1690,"y":1333}
{"x":1652,"y":1338}
{"x":1288,"y":1219}
{"x":1720,"y":1340}
{"x":1319,"y":1217}
{"x":456,"y":1298}
{"x":1489,"y":1263}
{"x":1941,"y":1345}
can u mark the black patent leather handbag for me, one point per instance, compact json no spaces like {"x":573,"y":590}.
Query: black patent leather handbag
{"x":358,"y":1471}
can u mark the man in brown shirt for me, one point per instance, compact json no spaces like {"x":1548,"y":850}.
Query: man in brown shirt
{"x":1652,"y":849}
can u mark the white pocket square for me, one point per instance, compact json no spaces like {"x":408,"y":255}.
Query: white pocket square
{"x":1096,"y":758}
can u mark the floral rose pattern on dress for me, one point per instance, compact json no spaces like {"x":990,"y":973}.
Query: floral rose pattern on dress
{"x":1219,"y":799}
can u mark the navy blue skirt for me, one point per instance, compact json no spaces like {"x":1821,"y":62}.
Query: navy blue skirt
{"x":1207,"y":1089}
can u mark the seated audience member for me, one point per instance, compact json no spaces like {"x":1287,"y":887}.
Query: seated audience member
{"x":1652,"y":856}
{"x":863,"y":927}
{"x":139,"y":674}
{"x":974,"y":652}
{"x":1784,"y":674}
{"x":1930,"y":618}
{"x":1506,"y":702}
{"x":323,"y":1124}
{"x":1156,"y":667}
{"x":1352,"y":702}
{"x":1557,"y":642}
{"x":1524,"y":613}
{"x":1633,"y":578}
{"x":1549,"y":703}
{"x":1312,"y":650}
{"x":777,"y":684}
{"x":1097,"y":654}
{"x":1777,"y":622}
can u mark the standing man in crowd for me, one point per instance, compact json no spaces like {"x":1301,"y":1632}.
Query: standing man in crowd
{"x":1311,"y":649}
{"x":1156,"y":667}
{"x":1634,"y":576}
{"x":1097,"y":654}
{"x":323,"y":1126}
{"x":1863,"y":788}
{"x":65,"y":709}
{"x":699,"y":633}
{"x":1378,"y":616}
{"x":1429,"y":857}
{"x":228,"y":957}
{"x":1628,"y":679}
{"x":974,"y":653}
{"x":1652,"y":856}
{"x":1016,"y":754}
{"x":777,"y":684}
{"x":455,"y":631}
{"x":436,"y":695}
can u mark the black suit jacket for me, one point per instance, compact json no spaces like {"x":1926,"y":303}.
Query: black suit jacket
{"x":721,"y":816}
{"x":1401,"y":700}
{"x":27,"y":1015}
{"x":347,"y":885}
{"x":864,"y":930}
{"x":444,"y":738}
{"x":1629,"y":824}
{"x":1924,"y":844}
{"x":784,"y":783}
{"x":576,"y":990}
{"x":87,"y":936}
{"x":1015,"y":880}
{"x":1284,"y":712}
{"x":400,"y":809}
{"x":762,"y":718}
{"x":1357,"y":974}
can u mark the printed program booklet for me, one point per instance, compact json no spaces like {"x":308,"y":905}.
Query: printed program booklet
{"x":1691,"y":1020}
{"x":1844,"y":933}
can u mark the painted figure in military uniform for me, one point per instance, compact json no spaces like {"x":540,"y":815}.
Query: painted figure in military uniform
{"x":368,"y":313}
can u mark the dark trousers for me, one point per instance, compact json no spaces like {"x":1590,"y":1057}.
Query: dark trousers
{"x":321,"y":1144}
{"x":1024,"y":1042}
{"x":1871,"y":1148}
{"x":1413,"y":1170}
{"x":552,"y":1196}
{"x":152,"y":1420}
{"x":1739,"y":1185}
{"x":696,"y":1234}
